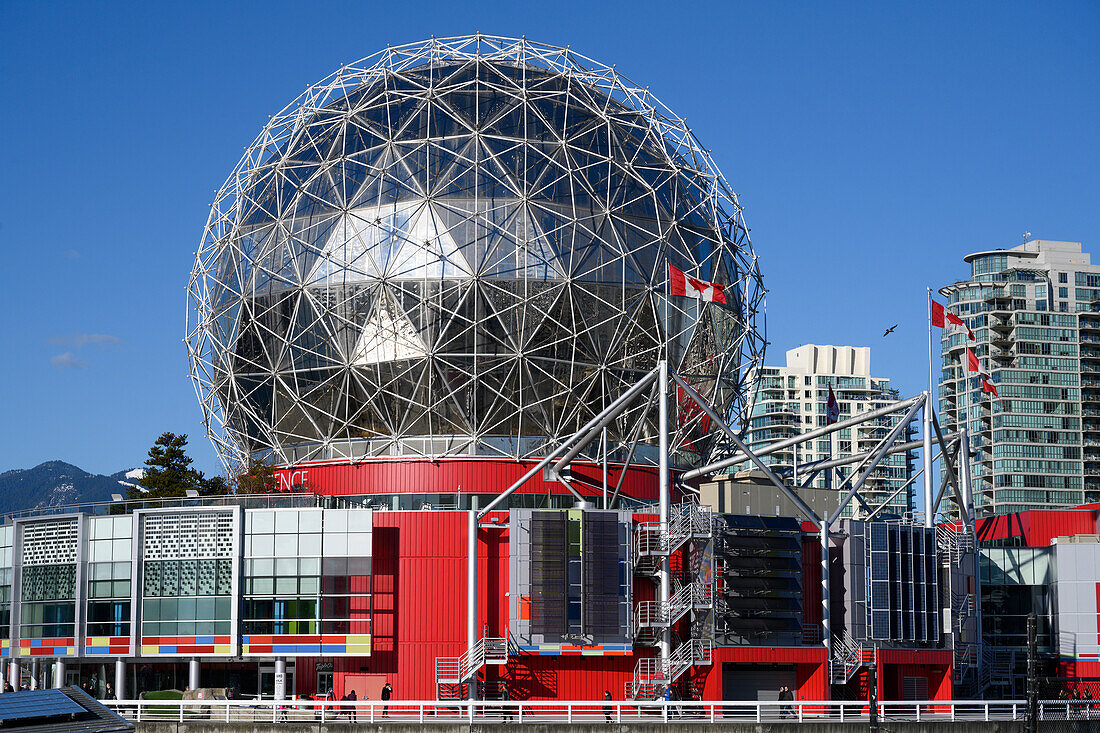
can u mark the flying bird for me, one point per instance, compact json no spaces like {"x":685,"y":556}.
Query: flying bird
{"x":889,"y":330}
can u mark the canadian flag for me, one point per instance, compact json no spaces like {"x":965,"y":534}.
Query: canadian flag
{"x":681,"y":284}
{"x":941,"y":317}
{"x":973,"y":365}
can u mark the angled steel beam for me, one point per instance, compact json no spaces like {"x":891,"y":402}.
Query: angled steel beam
{"x":633,"y":445}
{"x":613,"y":409}
{"x":599,"y":425}
{"x":802,"y":437}
{"x":952,"y":479}
{"x":859,"y":457}
{"x":953,"y":450}
{"x":887,"y":500}
{"x":786,"y":490}
{"x":879,"y":455}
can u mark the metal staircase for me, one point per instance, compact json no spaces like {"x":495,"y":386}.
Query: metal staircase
{"x":652,"y":674}
{"x":849,"y":656}
{"x":452,"y":672}
{"x":953,"y":545}
{"x":651,"y":617}
{"x":654,"y":542}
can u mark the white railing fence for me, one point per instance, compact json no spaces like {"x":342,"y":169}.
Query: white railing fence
{"x":551,"y":711}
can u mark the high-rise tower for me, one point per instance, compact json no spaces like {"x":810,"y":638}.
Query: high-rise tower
{"x":1035,"y":313}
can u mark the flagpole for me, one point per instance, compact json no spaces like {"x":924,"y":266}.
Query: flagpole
{"x":929,"y":501}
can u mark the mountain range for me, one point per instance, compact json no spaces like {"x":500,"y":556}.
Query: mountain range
{"x":56,"y":483}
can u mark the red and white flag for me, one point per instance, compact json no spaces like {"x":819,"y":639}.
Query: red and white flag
{"x":681,"y":284}
{"x":973,"y":365}
{"x":941,"y":317}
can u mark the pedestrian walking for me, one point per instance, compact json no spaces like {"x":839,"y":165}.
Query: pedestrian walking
{"x":607,"y":708}
{"x":387,"y":693}
{"x":785,"y":694}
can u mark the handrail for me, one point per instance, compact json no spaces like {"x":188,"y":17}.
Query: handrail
{"x":591,"y":711}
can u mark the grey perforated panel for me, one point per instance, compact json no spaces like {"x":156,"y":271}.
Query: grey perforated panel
{"x":50,"y":542}
{"x":189,"y":535}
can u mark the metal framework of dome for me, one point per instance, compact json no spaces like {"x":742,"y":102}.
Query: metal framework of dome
{"x":461,"y":247}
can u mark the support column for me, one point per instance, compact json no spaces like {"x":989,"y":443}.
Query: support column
{"x":193,"y":674}
{"x":665,"y":592}
{"x":965,"y":486}
{"x":34,"y":675}
{"x":826,"y":622}
{"x":59,"y":673}
{"x":929,"y":489}
{"x":13,"y":674}
{"x":471,"y":588}
{"x":120,"y":679}
{"x":280,"y":678}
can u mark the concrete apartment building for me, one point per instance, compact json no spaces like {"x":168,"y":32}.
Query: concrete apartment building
{"x":1035,"y":313}
{"x":792,"y":399}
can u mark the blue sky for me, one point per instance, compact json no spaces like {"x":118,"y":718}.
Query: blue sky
{"x":873,"y":144}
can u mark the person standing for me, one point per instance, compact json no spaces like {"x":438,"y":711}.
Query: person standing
{"x":387,"y":693}
{"x":607,"y":708}
{"x":352,"y":697}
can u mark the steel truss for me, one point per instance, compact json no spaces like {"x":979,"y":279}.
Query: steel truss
{"x":461,"y":247}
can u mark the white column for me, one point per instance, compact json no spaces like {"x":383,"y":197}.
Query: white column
{"x":665,"y":644}
{"x":120,"y":679}
{"x":929,"y":489}
{"x":471,"y":586}
{"x":193,"y":674}
{"x":280,"y":678}
{"x":965,"y":485}
{"x":34,"y":675}
{"x":13,"y":674}
{"x":59,"y":673}
{"x":826,"y":620}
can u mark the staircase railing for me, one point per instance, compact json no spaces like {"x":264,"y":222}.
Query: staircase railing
{"x":456,"y":670}
{"x":848,"y":656}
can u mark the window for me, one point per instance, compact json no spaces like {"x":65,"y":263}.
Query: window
{"x":1063,"y":292}
{"x":1063,"y":277}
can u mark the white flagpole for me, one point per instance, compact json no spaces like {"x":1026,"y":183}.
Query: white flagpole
{"x":929,"y":491}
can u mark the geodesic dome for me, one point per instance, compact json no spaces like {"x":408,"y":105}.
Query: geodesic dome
{"x":461,"y":247}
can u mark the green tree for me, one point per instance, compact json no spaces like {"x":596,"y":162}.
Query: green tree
{"x":214,"y":486}
{"x":257,"y":478}
{"x":168,"y":471}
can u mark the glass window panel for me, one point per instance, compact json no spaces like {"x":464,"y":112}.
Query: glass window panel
{"x":336,"y":520}
{"x":309,"y":520}
{"x":335,"y":544}
{"x":309,"y":544}
{"x":263,"y":545}
{"x":286,"y":521}
{"x":263,"y":521}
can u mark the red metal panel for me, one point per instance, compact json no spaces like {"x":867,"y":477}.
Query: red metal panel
{"x":811,"y":582}
{"x":1038,"y":527}
{"x":470,"y":475}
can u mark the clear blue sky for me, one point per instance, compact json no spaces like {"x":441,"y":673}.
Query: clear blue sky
{"x":873,"y":144}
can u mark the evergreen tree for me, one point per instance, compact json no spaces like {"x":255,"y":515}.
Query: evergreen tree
{"x":168,"y":471}
{"x":214,"y":486}
{"x":257,"y":478}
